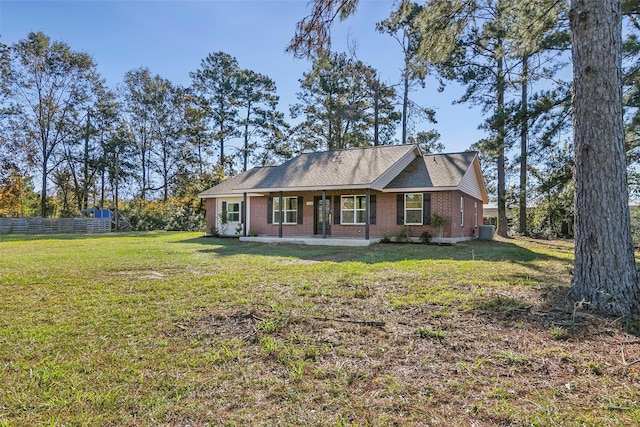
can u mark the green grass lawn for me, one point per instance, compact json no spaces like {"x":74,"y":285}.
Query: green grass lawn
{"x":174,"y":329}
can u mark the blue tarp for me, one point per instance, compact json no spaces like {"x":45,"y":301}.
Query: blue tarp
{"x":97,"y":213}
{"x":106,"y":213}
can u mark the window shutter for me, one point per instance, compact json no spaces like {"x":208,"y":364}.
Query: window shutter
{"x":224,"y":206}
{"x":269,"y":210}
{"x":400,"y":213}
{"x":426,"y":208}
{"x":336,"y":210}
{"x":372,"y":209}
{"x":300,"y":205}
{"x":243,"y":214}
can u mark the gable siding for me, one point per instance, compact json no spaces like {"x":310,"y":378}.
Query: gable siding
{"x":469,"y":183}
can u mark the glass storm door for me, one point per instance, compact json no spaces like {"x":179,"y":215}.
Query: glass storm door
{"x":319,"y":217}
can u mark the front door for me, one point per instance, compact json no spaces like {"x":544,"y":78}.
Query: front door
{"x":319,"y":206}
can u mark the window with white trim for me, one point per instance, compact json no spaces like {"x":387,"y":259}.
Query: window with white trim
{"x":289,"y":210}
{"x":461,"y":211}
{"x":413,"y":209}
{"x":353,"y":210}
{"x":233,"y":212}
{"x":475,"y":213}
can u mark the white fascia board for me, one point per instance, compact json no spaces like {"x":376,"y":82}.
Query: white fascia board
{"x":240,"y":193}
{"x":418,"y":189}
{"x":483,"y":187}
{"x":218,"y":196}
{"x":303,"y":189}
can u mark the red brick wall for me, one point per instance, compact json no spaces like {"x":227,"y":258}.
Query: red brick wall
{"x":445,"y":203}
{"x":259,"y":217}
{"x":441,"y":203}
{"x":468,"y":227}
{"x":210,"y":215}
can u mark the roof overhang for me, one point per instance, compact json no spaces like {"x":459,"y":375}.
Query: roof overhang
{"x":483,"y":188}
{"x":300,"y":189}
{"x":230,"y":195}
{"x":418,"y":189}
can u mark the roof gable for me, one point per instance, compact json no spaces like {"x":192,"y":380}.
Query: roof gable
{"x":473,"y":183}
{"x":444,"y":172}
{"x":434,"y":170}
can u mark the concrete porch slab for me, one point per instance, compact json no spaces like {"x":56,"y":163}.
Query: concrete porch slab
{"x":339,"y":241}
{"x":318,"y":241}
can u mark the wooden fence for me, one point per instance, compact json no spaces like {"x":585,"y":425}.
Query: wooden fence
{"x":54,"y":225}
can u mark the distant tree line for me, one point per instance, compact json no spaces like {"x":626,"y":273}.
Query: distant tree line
{"x":153,"y":145}
{"x":150,"y":141}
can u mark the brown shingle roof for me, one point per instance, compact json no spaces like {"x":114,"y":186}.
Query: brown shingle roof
{"x":246,"y":179}
{"x":330,"y":169}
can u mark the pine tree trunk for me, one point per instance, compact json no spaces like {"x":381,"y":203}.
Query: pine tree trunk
{"x":605,"y":275}
{"x":405,"y":107}
{"x":524,"y":132}
{"x":245,"y":150}
{"x":376,"y":113}
{"x":500,"y":136}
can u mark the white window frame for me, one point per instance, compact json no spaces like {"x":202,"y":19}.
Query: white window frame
{"x":421,"y":209}
{"x":285,"y":211}
{"x":475,"y":212}
{"x":461,"y":211}
{"x":355,"y":209}
{"x":231,"y":214}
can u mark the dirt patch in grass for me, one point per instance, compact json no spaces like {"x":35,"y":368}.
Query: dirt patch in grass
{"x":296,"y":262}
{"x":332,"y":257}
{"x":339,"y":257}
{"x":142,"y":274}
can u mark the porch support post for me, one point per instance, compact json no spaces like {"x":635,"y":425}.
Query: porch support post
{"x":366,"y":213}
{"x":280,"y":207}
{"x":324,"y":214}
{"x":244,"y":215}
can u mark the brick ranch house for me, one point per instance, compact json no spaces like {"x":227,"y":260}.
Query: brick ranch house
{"x":357,"y":194}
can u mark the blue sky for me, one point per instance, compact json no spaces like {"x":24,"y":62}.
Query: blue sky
{"x":171,"y":37}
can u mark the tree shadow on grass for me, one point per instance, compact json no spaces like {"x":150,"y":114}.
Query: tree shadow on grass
{"x":477,"y":250}
{"x":83,"y":236}
{"x":547,"y":310}
{"x":534,"y":297}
